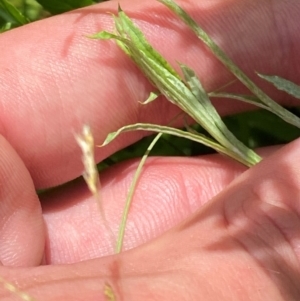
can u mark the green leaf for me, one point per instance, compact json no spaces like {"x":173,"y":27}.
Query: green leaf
{"x":230,"y":65}
{"x":245,"y":98}
{"x":282,"y":84}
{"x":218,"y":128}
{"x":60,"y":6}
{"x":185,"y":95}
{"x":5,"y":27}
{"x":11,"y":14}
{"x":175,"y":132}
{"x":130,"y":194}
{"x":105,"y":35}
{"x":153,"y":95}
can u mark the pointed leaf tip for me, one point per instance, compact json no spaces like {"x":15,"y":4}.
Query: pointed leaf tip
{"x":282,"y":84}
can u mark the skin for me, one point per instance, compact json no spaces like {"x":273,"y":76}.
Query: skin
{"x":199,"y":227}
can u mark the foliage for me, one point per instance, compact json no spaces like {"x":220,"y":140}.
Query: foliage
{"x":58,"y":6}
{"x":232,"y":135}
{"x":14,"y":13}
{"x":188,"y":94}
{"x":11,"y":15}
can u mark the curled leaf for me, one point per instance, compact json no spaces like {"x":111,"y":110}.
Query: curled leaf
{"x":187,"y":94}
{"x":176,"y":132}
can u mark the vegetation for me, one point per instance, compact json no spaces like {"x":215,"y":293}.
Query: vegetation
{"x":234,"y":136}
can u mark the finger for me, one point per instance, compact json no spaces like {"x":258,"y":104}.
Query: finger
{"x":55,"y":79}
{"x":169,"y":190}
{"x":22,"y":233}
{"x":208,"y":255}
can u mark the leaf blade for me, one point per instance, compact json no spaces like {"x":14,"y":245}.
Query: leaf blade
{"x":230,"y":65}
{"x":282,"y":84}
{"x":13,"y":14}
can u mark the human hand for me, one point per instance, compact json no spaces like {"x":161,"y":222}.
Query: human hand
{"x":241,"y":245}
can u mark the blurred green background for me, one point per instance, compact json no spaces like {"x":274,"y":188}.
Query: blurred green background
{"x":15,"y":13}
{"x":255,"y":129}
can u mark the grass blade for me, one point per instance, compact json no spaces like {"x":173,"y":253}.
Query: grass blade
{"x":229,"y":64}
{"x":245,"y":98}
{"x":181,"y":93}
{"x":282,"y":84}
{"x":175,"y":132}
{"x":12,"y":14}
{"x":129,"y":197}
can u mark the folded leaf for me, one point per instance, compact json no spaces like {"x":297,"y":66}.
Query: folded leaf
{"x":189,"y":95}
{"x":221,"y":55}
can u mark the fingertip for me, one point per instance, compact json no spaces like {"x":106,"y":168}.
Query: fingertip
{"x":21,"y":223}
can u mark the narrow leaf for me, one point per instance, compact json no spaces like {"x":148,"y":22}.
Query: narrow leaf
{"x":129,"y":197}
{"x":282,"y":84}
{"x":153,"y":95}
{"x":104,"y":35}
{"x":170,"y":84}
{"x":5,"y":27}
{"x":231,"y":66}
{"x":217,"y":127}
{"x":176,"y":132}
{"x":245,"y":98}
{"x":12,"y":14}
